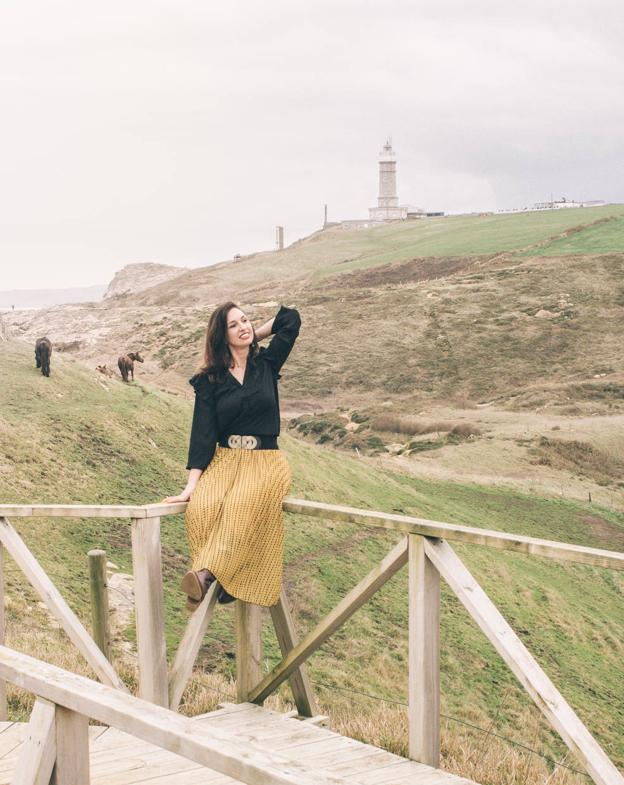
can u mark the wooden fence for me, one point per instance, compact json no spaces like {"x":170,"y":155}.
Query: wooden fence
{"x":428,"y":554}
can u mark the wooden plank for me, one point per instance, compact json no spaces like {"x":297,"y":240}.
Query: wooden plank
{"x":424,"y":656}
{"x":248,"y":648}
{"x":404,"y":523}
{"x":72,"y":511}
{"x":38,"y":751}
{"x":389,"y":772}
{"x":546,"y":696}
{"x":72,"y":748}
{"x":359,"y":595}
{"x":149,"y":610}
{"x":100,"y":614}
{"x":160,"y":510}
{"x":57,"y":605}
{"x":193,"y":740}
{"x":551,"y":549}
{"x":3,"y":697}
{"x":189,"y":647}
{"x":11,"y":738}
{"x":287,"y":639}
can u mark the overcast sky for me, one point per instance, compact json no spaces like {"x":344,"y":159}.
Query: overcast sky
{"x":183,"y":132}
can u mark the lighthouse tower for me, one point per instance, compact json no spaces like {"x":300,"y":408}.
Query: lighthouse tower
{"x":387,"y":202}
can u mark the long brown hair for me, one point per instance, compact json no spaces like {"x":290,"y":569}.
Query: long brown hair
{"x":217,"y":357}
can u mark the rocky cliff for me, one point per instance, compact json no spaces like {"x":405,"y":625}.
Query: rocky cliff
{"x":143,"y":275}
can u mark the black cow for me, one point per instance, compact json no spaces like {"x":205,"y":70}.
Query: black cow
{"x":43,"y":350}
{"x":126,"y":364}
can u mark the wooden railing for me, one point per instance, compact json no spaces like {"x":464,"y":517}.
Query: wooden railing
{"x":428,"y":554}
{"x":56,"y":746}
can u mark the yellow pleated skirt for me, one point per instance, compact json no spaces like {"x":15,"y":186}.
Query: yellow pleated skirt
{"x":234,"y":522}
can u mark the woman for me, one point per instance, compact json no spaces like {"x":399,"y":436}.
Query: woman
{"x":238,"y":477}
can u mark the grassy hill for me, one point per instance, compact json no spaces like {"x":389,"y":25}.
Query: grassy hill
{"x":79,"y":438}
{"x":337,"y":250}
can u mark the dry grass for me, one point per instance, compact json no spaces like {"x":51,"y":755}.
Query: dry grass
{"x":393,"y":424}
{"x":579,"y":457}
{"x":465,"y":751}
{"x":409,"y":427}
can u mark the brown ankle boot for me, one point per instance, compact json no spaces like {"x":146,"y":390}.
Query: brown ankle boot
{"x":196,"y":584}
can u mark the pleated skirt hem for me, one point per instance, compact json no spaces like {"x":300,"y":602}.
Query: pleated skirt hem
{"x":234,"y":522}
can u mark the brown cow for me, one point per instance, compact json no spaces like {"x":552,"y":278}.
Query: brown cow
{"x":126,"y":364}
{"x":43,"y":350}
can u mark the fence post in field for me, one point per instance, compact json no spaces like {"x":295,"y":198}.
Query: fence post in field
{"x":100,"y":616}
{"x":424,"y":655}
{"x":149,"y":610}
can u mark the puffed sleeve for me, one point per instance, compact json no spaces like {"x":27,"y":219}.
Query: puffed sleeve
{"x":285,"y":331}
{"x":203,"y":439}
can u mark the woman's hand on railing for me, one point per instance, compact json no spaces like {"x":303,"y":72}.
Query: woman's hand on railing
{"x":181,"y":497}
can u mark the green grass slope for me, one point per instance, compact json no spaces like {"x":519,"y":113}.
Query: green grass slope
{"x":598,"y":238}
{"x":337,"y":250}
{"x":75,"y":438}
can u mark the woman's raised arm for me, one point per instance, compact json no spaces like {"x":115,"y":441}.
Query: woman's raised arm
{"x":285,"y":329}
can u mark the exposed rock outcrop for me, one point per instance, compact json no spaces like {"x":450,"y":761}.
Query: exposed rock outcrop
{"x":140,"y":276}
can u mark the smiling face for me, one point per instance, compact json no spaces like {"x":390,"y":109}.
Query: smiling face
{"x":239,"y":330}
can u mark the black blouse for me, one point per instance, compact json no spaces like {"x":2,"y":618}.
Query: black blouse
{"x":248,"y":408}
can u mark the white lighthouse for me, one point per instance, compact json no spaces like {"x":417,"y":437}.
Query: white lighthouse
{"x":388,"y":208}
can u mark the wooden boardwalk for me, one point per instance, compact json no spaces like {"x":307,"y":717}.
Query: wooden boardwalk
{"x":117,"y":758}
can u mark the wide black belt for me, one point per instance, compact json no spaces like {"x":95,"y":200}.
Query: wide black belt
{"x":249,"y":442}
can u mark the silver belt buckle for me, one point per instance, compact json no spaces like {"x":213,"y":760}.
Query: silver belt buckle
{"x":234,"y":441}
{"x":249,"y":442}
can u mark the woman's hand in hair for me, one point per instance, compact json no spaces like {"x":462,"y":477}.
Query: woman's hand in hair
{"x":264,"y":330}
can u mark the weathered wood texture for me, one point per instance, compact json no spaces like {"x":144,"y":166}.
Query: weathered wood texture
{"x":424,"y":655}
{"x":206,"y":745}
{"x":57,"y":605}
{"x":359,"y":595}
{"x":120,"y":759}
{"x":404,"y":523}
{"x":100,"y":613}
{"x":3,"y":697}
{"x":72,"y":748}
{"x":248,"y":648}
{"x":38,"y":750}
{"x":149,"y":610}
{"x":91,"y":510}
{"x":189,"y":647}
{"x":409,"y":525}
{"x":287,"y":639}
{"x":546,"y":696}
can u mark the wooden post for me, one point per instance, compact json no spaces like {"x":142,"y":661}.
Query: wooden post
{"x":287,"y":639}
{"x":189,"y":647}
{"x":149,"y":610}
{"x":3,"y":698}
{"x":424,"y":655}
{"x":38,"y":751}
{"x":546,"y":696}
{"x":72,"y":748}
{"x":248,"y":648}
{"x":99,"y":601}
{"x":51,"y":596}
